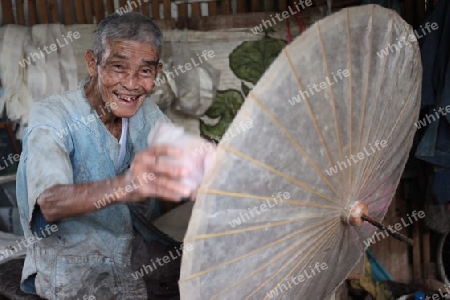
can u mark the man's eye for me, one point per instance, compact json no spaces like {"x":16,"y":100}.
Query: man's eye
{"x":147,"y":71}
{"x":118,"y":67}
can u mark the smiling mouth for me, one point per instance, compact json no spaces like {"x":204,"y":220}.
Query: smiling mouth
{"x":127,"y":98}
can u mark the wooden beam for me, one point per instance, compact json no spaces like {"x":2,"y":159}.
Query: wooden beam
{"x":155,"y":10}
{"x":109,"y":6}
{"x":20,"y":13}
{"x":67,"y":12}
{"x":99,"y":10}
{"x":88,"y":12}
{"x":182,"y":15}
{"x":246,"y":20}
{"x":420,"y":9}
{"x":53,"y":7}
{"x":79,"y":12}
{"x":282,"y":5}
{"x":8,"y":16}
{"x":123,"y":4}
{"x":42,"y":12}
{"x":226,"y":7}
{"x":144,"y":9}
{"x":241,"y":6}
{"x":196,"y":10}
{"x":256,"y":5}
{"x":212,"y":8}
{"x":167,"y":10}
{"x":409,"y":11}
{"x":32,"y":16}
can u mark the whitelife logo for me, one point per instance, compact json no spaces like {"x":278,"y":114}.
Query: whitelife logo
{"x":52,"y":48}
{"x":356,"y":157}
{"x":244,"y":217}
{"x":398,"y":226}
{"x":187,"y":66}
{"x":407,"y":40}
{"x":162,"y":261}
{"x":340,"y":75}
{"x":306,"y":274}
{"x":281,"y":17}
{"x":429,"y":118}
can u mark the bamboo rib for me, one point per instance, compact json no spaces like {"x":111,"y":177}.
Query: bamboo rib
{"x":311,"y":115}
{"x":223,"y":265}
{"x":363,"y":170}
{"x":333,"y":102}
{"x":276,"y":258}
{"x":292,"y":202}
{"x":259,"y":227}
{"x":293,"y":141}
{"x":314,"y":248}
{"x":297,"y":182}
{"x":368,"y":167}
{"x":405,"y":106}
{"x":332,"y":241}
{"x":368,"y":65}
{"x":286,"y":265}
{"x":350,"y":105}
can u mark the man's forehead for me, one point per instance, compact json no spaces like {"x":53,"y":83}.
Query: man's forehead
{"x":125,"y":50}
{"x":120,"y":56}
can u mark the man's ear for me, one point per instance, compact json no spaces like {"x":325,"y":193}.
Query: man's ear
{"x":91,"y":62}
{"x":159,"y":68}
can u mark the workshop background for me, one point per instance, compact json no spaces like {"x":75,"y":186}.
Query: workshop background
{"x":206,"y":99}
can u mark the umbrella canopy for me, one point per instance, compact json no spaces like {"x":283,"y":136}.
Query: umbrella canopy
{"x":279,"y":213}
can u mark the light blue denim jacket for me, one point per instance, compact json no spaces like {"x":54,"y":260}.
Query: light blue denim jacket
{"x":90,"y":254}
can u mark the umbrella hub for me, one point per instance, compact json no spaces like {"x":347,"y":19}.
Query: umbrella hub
{"x":356,"y":213}
{"x":353,"y":214}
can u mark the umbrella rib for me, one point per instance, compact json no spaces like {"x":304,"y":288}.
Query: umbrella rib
{"x":242,"y":195}
{"x":368,"y":167}
{"x":333,"y":102}
{"x":366,"y":82}
{"x":264,"y":166}
{"x":350,"y":106}
{"x":405,"y":106}
{"x":276,"y":258}
{"x":368,"y":193}
{"x":225,"y":264}
{"x":276,"y":224}
{"x":311,"y":115}
{"x":325,"y":241}
{"x":331,"y":241}
{"x":286,"y":264}
{"x":377,"y":96}
{"x":292,"y":140}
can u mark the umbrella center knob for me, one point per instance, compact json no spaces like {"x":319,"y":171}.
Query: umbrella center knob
{"x":353,"y":214}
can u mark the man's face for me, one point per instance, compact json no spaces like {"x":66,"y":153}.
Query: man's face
{"x":126,"y":75}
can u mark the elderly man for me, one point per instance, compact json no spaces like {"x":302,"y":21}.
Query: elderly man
{"x":86,"y":169}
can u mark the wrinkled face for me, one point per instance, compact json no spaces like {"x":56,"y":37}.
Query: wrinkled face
{"x":126,"y":75}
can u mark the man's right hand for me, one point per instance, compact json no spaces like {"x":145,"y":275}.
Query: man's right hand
{"x":151,"y":176}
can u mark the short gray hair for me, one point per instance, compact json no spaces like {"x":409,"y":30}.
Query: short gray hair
{"x":130,"y":26}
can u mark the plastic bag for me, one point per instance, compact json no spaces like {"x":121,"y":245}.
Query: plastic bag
{"x":196,"y":80}
{"x":198,"y":154}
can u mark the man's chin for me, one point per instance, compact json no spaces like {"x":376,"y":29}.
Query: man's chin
{"x":125,"y":111}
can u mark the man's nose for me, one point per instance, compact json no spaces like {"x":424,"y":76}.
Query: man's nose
{"x":131,"y":81}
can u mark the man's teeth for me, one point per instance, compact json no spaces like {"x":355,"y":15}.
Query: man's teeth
{"x":126,"y":98}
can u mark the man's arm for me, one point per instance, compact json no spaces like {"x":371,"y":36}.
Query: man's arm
{"x":148,"y":176}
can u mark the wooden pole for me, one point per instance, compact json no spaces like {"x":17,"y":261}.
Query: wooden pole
{"x":7,"y":10}
{"x":20,"y":12}
{"x":43,"y":14}
{"x":32,"y":17}
{"x":53,"y":6}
